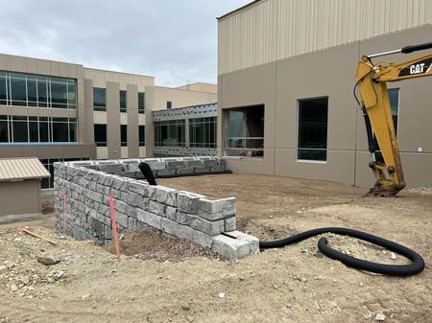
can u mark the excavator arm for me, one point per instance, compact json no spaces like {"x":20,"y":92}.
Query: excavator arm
{"x":374,"y":100}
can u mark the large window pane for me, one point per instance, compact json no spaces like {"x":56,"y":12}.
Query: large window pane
{"x":123,"y":135}
{"x":44,"y":129}
{"x":123,"y":101}
{"x":72,"y":130}
{"x":312,"y":141}
{"x":32,"y":91}
{"x":20,"y":129}
{"x":60,"y":130}
{"x":141,"y":135}
{"x":72,"y":94}
{"x":18,"y":89}
{"x":42,"y":91}
{"x":58,"y":93}
{"x":202,"y":132}
{"x":99,"y":99}
{"x":170,"y":133}
{"x":3,"y":89}
{"x":100,"y":135}
{"x":33,"y":129}
{"x":4,"y":133}
{"x":141,"y":102}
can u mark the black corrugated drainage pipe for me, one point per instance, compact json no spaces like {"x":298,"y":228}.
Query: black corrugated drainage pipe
{"x":416,"y":266}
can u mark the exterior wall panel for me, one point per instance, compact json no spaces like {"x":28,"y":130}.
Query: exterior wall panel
{"x":270,"y":30}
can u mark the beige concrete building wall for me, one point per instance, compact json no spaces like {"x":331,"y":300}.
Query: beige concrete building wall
{"x":285,"y":28}
{"x":157,"y":98}
{"x":200,"y":86}
{"x":329,"y":73}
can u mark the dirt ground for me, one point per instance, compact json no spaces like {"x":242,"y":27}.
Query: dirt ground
{"x":167,"y":280}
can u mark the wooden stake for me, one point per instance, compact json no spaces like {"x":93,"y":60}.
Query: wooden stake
{"x":37,"y":236}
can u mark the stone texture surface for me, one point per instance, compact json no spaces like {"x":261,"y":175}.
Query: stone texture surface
{"x":82,"y":204}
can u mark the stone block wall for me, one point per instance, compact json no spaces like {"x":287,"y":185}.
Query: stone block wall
{"x":83,"y":190}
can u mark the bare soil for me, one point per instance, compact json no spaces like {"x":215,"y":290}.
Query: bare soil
{"x":162,"y":279}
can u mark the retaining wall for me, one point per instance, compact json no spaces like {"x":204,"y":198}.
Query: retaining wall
{"x":83,"y":189}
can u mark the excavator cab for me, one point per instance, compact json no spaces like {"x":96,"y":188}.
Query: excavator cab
{"x":373,"y":98}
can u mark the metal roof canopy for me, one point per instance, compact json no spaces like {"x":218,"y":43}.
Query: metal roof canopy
{"x":16,"y":169}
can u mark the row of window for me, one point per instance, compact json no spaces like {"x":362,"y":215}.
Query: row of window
{"x":202,"y":133}
{"x":30,"y":90}
{"x":100,"y":135}
{"x":23,"y":129}
{"x":99,"y":100}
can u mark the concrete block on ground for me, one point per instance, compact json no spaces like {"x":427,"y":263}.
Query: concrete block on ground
{"x":235,"y":245}
{"x":230,"y":224}
{"x":202,"y":239}
{"x":211,"y":228}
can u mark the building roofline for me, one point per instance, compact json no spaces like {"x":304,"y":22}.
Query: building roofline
{"x":116,"y":72}
{"x":238,"y":9}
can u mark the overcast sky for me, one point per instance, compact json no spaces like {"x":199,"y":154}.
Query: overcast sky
{"x":172,"y":40}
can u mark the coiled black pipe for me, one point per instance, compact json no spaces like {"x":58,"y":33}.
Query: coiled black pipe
{"x":417,"y":263}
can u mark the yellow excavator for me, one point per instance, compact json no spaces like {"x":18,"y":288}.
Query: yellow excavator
{"x":371,"y":83}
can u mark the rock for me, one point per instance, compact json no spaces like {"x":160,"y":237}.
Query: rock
{"x":393,"y":256}
{"x":13,"y":287}
{"x":47,"y":261}
{"x":86,"y":296}
{"x":59,"y":274}
{"x":221,"y":295}
{"x":380,"y":317}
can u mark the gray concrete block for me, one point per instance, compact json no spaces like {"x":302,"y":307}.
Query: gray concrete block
{"x":149,"y":218}
{"x":157,"y":208}
{"x":175,"y":229}
{"x":202,"y":170}
{"x":211,"y":228}
{"x":122,"y":219}
{"x":165,"y":172}
{"x":202,"y":239}
{"x":188,"y":202}
{"x":185,"y":171}
{"x":235,"y":246}
{"x":230,"y":224}
{"x":171,"y":213}
{"x":138,"y":187}
{"x":216,"y":209}
{"x":184,"y":218}
{"x":165,"y":195}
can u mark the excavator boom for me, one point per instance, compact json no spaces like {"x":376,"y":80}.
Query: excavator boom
{"x":374,"y":100}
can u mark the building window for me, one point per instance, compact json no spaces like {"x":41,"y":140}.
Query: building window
{"x":169,"y":105}
{"x":100,"y":135}
{"x":99,"y":99}
{"x":22,"y":89}
{"x":202,"y":132}
{"x":123,"y":135}
{"x":312,"y":135}
{"x":4,"y":129}
{"x":170,"y":133}
{"x":141,"y":102}
{"x":3,"y":89}
{"x":20,"y":129}
{"x":123,"y":101}
{"x":141,"y":135}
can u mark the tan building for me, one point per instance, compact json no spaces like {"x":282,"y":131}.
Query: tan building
{"x":58,"y":111}
{"x":20,"y":182}
{"x":285,"y":87}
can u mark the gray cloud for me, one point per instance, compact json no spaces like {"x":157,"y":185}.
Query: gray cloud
{"x":173,"y":40}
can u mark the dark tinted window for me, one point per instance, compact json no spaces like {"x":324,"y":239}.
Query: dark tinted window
{"x":100,"y":135}
{"x":99,"y":99}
